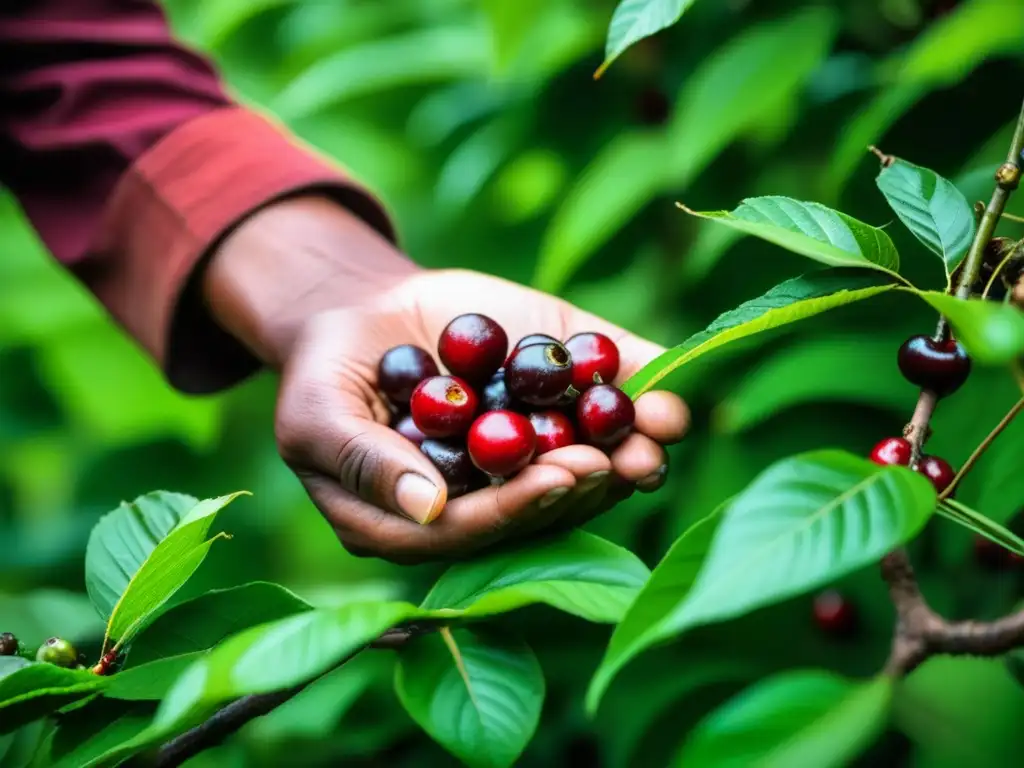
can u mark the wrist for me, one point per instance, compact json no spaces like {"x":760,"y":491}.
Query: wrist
{"x":290,"y":261}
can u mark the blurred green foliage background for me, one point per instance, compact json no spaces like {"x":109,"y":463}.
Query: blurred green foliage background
{"x":480,"y":125}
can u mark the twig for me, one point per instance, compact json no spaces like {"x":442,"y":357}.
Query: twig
{"x":982,"y":447}
{"x":231,"y":718}
{"x":920,"y":632}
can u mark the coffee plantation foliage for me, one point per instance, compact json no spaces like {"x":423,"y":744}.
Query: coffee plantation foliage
{"x":482,"y":127}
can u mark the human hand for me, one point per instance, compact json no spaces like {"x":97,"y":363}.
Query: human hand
{"x":381,"y":495}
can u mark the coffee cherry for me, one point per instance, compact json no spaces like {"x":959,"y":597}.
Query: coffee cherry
{"x":58,"y":651}
{"x":595,"y":360}
{"x":501,"y":443}
{"x":443,"y":406}
{"x":937,"y":470}
{"x":401,"y":369}
{"x":473,"y":347}
{"x":495,"y":395}
{"x":8,"y":644}
{"x":540,"y":374}
{"x":834,"y":614}
{"x":554,"y":430}
{"x":533,"y":338}
{"x":605,"y":416}
{"x":941,"y":366}
{"x":892,"y":450}
{"x":453,"y":462}
{"x":406,"y":427}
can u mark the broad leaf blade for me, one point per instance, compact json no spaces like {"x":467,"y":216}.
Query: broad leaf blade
{"x":580,"y":574}
{"x":932,"y":208}
{"x":166,"y":569}
{"x":788,"y":302}
{"x":87,"y":736}
{"x":149,"y":682}
{"x":30,"y":690}
{"x":992,"y":333}
{"x":477,"y":696}
{"x":803,"y":522}
{"x":795,"y":718}
{"x":981,"y":525}
{"x":634,"y":20}
{"x":812,"y":230}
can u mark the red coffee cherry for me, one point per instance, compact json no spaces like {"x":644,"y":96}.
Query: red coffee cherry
{"x":595,"y":360}
{"x":554,"y":430}
{"x":605,"y":416}
{"x":892,"y":450}
{"x":834,"y":614}
{"x":501,"y":443}
{"x":539,"y":374}
{"x":937,"y":470}
{"x":473,"y":347}
{"x":401,"y":369}
{"x":533,"y":338}
{"x":443,"y":406}
{"x":941,"y":366}
{"x":453,"y":462}
{"x":406,"y":427}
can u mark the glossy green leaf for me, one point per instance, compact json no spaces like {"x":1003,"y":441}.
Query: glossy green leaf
{"x":580,"y":574}
{"x":798,"y":718}
{"x":951,"y":509}
{"x":428,"y":55}
{"x":993,"y":333}
{"x":168,"y":561}
{"x":788,"y":302}
{"x":812,"y":230}
{"x":149,"y":681}
{"x":201,"y":623}
{"x":29,"y":690}
{"x":932,"y":208}
{"x":634,"y":20}
{"x":85,"y":737}
{"x":806,"y":373}
{"x":480,"y":697}
{"x":803,"y":522}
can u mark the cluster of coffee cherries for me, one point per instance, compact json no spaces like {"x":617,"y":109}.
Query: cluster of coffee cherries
{"x":60,"y":653}
{"x":941,"y":366}
{"x":496,"y":410}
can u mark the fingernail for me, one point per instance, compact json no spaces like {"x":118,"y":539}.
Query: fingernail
{"x":653,"y":481}
{"x":590,"y":482}
{"x":418,"y":498}
{"x":552,"y":496}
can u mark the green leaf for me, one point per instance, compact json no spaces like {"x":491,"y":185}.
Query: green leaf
{"x":983,"y":526}
{"x":634,"y":20}
{"x":87,"y":736}
{"x":478,"y":697}
{"x":798,"y":718}
{"x":1002,"y":482}
{"x":201,"y":623}
{"x":426,"y":55}
{"x":803,"y":522}
{"x":992,"y":333}
{"x":806,"y":373}
{"x":168,"y":561}
{"x":149,"y":681}
{"x":34,"y":616}
{"x":812,"y":230}
{"x":29,"y":690}
{"x":795,"y":299}
{"x":932,"y":208}
{"x":580,"y":574}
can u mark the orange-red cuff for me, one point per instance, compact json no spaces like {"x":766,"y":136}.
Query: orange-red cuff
{"x":174,"y":204}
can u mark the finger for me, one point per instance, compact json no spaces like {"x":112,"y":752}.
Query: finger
{"x":589,"y":466}
{"x":638,"y":458}
{"x":325,"y":423}
{"x":662,"y":416}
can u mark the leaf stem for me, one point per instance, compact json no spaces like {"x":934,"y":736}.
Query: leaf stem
{"x":973,"y":458}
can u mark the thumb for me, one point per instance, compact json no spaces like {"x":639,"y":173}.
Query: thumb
{"x":328,"y":427}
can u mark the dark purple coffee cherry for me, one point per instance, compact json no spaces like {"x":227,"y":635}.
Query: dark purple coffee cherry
{"x":473,"y":347}
{"x":406,"y":427}
{"x":8,"y":644}
{"x":940,"y":366}
{"x":401,"y":369}
{"x":533,"y":338}
{"x":453,"y":462}
{"x":494,"y":396}
{"x":605,"y":416}
{"x":540,"y":374}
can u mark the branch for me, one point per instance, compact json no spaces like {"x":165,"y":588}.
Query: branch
{"x":920,"y":632}
{"x":231,"y":718}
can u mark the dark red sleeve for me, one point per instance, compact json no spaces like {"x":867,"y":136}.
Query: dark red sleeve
{"x":131,"y":160}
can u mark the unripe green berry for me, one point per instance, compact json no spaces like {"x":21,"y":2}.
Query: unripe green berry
{"x":8,"y":644}
{"x":59,"y":652}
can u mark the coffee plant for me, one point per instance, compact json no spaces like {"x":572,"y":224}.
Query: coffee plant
{"x":831,"y":575}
